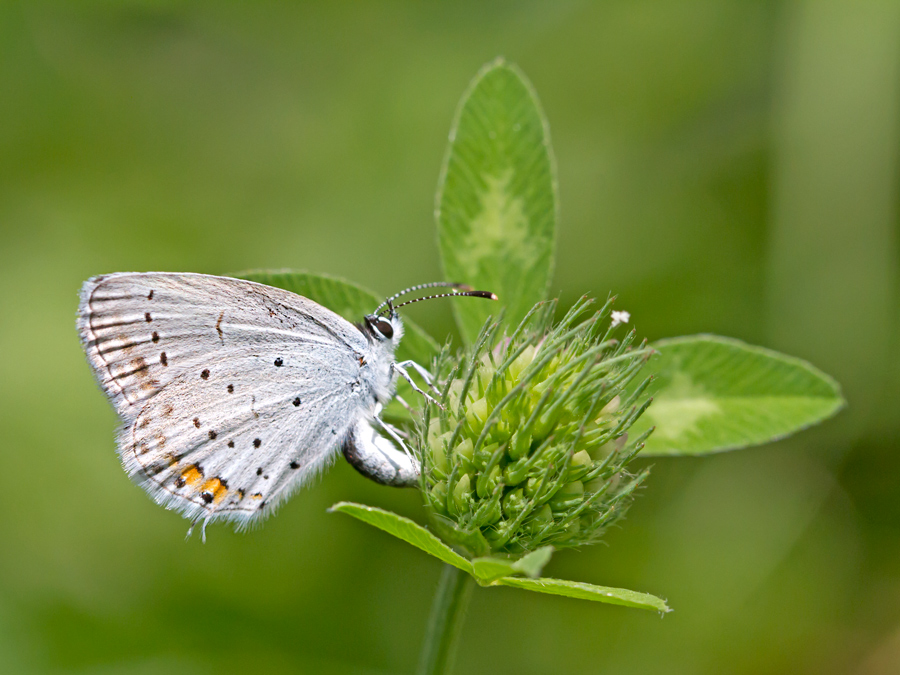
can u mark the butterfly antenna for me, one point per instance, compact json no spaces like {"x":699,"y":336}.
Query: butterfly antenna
{"x":471,"y":294}
{"x":419,"y":287}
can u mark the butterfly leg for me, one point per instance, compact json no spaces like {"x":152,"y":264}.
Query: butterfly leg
{"x":396,"y":434}
{"x":390,"y":428}
{"x":400,"y":368}
{"x":421,"y":370}
{"x":403,"y":402}
{"x":394,"y":430}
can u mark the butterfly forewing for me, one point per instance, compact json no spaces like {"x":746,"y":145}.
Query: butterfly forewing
{"x":233,"y":394}
{"x":141,"y":331}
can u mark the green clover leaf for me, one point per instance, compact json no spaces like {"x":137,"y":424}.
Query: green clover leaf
{"x":493,"y":571}
{"x":496,"y":203}
{"x":713,"y":394}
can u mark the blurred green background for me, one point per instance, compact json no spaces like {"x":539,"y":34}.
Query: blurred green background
{"x":724,"y":167}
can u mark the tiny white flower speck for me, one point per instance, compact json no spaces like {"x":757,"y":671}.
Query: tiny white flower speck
{"x":620,"y":317}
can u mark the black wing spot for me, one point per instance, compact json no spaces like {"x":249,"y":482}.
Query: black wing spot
{"x":212,"y":435}
{"x":155,"y":337}
{"x":147,"y":317}
{"x":279,"y":362}
{"x":197,"y":422}
{"x":294,"y":465}
{"x":204,"y":373}
{"x":163,"y":359}
{"x":256,"y":442}
{"x":180,"y":482}
{"x":230,"y":388}
{"x":207,"y":497}
{"x":150,"y":295}
{"x":297,"y":402}
{"x":230,"y":444}
{"x":259,"y":471}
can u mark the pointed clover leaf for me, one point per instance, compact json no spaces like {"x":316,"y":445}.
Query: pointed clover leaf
{"x":495,"y":571}
{"x":713,"y":394}
{"x":576,"y":589}
{"x":488,"y":569}
{"x":349,"y":300}
{"x":405,"y":529}
{"x":531,"y":565}
{"x":496,"y":204}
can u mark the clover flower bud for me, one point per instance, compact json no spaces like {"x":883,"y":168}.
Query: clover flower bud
{"x":529,"y":445}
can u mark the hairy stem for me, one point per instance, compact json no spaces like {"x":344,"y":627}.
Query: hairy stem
{"x":445,"y":622}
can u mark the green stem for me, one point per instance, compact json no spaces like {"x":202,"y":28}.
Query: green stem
{"x":445,"y":622}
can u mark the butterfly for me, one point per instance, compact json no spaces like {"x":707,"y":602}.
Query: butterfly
{"x":233,"y":394}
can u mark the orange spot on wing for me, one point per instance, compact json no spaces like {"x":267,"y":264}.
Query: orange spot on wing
{"x":216,"y":488}
{"x":192,"y":475}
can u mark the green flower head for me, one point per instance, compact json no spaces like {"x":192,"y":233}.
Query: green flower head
{"x":529,"y":446}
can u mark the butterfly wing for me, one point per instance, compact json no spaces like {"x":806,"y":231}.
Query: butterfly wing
{"x":233,"y":394}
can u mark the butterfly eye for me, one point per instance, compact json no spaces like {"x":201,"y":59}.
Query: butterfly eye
{"x":385,"y":328}
{"x":380,"y":327}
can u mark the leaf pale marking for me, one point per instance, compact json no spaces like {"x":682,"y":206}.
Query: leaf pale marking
{"x":713,"y":394}
{"x":496,"y":204}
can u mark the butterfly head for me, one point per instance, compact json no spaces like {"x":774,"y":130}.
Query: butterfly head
{"x":385,"y":328}
{"x":384,"y":324}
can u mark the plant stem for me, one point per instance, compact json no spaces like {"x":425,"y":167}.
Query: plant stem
{"x":445,"y":623}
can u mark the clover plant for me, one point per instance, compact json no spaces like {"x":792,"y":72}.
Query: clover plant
{"x":539,"y":412}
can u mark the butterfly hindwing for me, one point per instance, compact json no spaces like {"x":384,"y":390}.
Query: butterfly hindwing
{"x":235,"y":444}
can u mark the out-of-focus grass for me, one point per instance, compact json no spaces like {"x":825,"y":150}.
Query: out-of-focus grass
{"x":724,"y":167}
